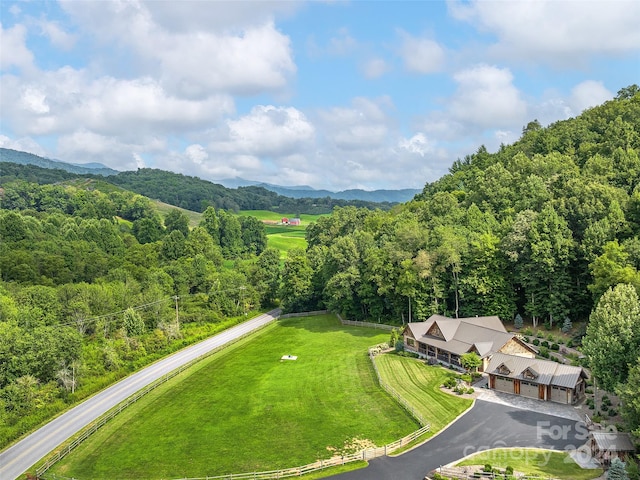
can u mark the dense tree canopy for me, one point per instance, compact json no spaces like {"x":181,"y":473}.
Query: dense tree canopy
{"x":541,"y":228}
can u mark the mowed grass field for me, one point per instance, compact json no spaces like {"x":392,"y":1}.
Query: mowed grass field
{"x":534,"y":462}
{"x":244,"y":409}
{"x":419,"y":385}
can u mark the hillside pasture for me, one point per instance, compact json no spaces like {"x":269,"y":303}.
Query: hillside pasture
{"x":267,"y":215}
{"x":245,"y":409}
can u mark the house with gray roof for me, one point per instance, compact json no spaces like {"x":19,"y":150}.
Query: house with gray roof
{"x":536,"y":378}
{"x":446,"y":339}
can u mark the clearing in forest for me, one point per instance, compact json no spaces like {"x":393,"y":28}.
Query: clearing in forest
{"x":244,"y":409}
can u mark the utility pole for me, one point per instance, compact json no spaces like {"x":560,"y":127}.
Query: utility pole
{"x":175,"y":297}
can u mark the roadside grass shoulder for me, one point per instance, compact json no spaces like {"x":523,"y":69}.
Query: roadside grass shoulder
{"x":534,"y":462}
{"x":419,"y":385}
{"x":245,"y":410}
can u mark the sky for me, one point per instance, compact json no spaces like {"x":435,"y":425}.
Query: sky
{"x":330,"y":94}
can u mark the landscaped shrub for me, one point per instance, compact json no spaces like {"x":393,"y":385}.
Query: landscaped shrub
{"x":539,"y":334}
{"x":606,"y":400}
{"x":526,"y":339}
{"x":487,"y":468}
{"x":536,"y":342}
{"x":450,"y":382}
{"x":470,"y":390}
{"x":555,"y":346}
{"x":527,"y":331}
{"x":613,"y":412}
{"x":544,"y":351}
{"x":550,"y":337}
{"x":545,"y":344}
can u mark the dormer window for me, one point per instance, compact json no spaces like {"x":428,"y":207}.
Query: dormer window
{"x":504,"y":370}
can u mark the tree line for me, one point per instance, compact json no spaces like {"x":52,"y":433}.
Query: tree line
{"x":543,"y":232}
{"x":95,"y":284}
{"x":190,"y":193}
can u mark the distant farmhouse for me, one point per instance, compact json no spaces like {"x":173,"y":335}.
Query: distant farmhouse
{"x":509,"y":362}
{"x":291,"y":221}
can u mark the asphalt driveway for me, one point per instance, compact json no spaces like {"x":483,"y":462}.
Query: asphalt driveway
{"x":487,"y":425}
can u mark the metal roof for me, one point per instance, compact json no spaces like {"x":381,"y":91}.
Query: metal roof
{"x":613,"y":441}
{"x":546,"y":372}
{"x":461,"y":335}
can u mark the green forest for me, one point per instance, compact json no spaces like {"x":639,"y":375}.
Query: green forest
{"x":94,"y":283}
{"x":190,"y":193}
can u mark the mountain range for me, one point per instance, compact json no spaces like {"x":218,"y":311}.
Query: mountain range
{"x":299,"y":191}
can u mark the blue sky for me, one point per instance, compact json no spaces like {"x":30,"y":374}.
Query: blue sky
{"x":336,"y":95}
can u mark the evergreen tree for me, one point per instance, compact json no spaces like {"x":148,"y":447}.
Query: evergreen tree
{"x":617,"y":470}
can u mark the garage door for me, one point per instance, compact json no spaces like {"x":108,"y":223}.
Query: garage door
{"x":504,"y":384}
{"x":529,"y":389}
{"x":558,"y":394}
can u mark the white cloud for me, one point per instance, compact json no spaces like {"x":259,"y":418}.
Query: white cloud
{"x":266,"y":131}
{"x":417,"y":144}
{"x":58,"y":101}
{"x":187,"y":15}
{"x":57,"y":36}
{"x":588,"y":94}
{"x":14,"y":51}
{"x":363,"y":124}
{"x":375,"y":68}
{"x":25,"y":144}
{"x":196,"y":153}
{"x":557,"y":32}
{"x":487,"y":98}
{"x":244,"y":58}
{"x":421,"y":55}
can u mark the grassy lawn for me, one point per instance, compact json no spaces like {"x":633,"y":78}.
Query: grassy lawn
{"x":419,"y":384}
{"x":245,"y":410}
{"x":534,"y":462}
{"x":284,"y":243}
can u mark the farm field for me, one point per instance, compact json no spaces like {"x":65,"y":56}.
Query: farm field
{"x":534,"y":462}
{"x":268,"y":215}
{"x":419,"y":385}
{"x":244,"y":409}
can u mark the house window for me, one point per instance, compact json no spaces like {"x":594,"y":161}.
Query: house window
{"x":411,"y":342}
{"x":431,"y":351}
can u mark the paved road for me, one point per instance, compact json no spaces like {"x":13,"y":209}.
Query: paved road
{"x":17,"y":459}
{"x":487,"y":425}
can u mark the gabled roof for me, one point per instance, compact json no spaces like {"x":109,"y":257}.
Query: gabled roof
{"x":461,"y":335}
{"x":613,"y":441}
{"x":546,"y":372}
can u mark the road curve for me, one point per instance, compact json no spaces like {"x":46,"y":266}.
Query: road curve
{"x":16,"y":459}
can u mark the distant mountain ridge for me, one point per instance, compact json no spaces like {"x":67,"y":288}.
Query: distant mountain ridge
{"x":305,"y":191}
{"x":297,"y":192}
{"x":25,"y":158}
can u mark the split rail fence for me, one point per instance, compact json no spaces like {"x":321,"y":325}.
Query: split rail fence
{"x":362,"y":455}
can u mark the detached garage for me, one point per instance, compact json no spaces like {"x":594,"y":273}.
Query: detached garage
{"x":535,"y":378}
